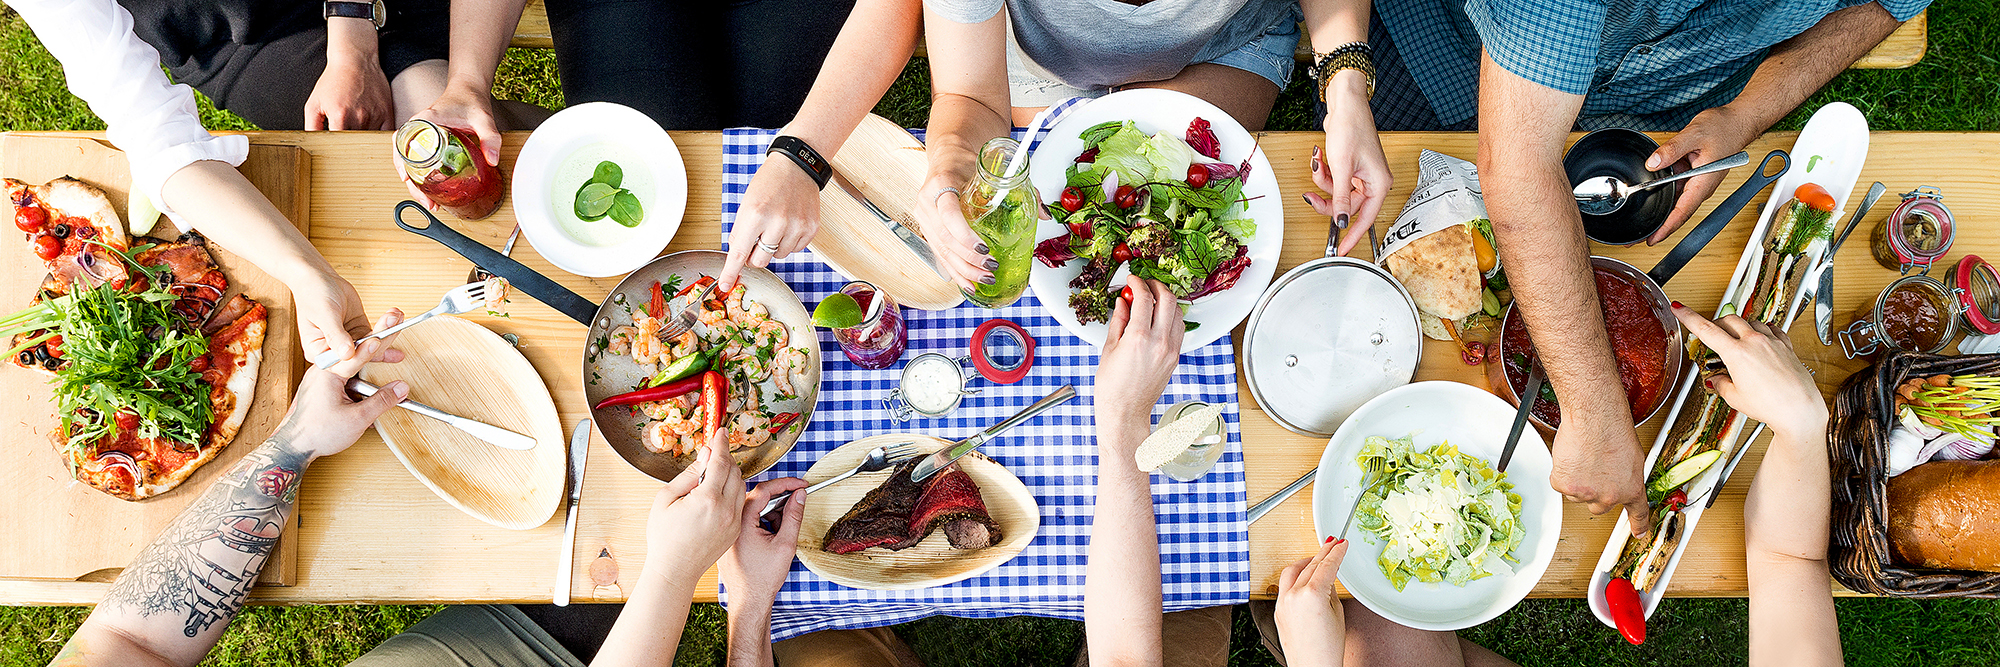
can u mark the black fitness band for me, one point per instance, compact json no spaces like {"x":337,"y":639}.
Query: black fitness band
{"x":803,"y":155}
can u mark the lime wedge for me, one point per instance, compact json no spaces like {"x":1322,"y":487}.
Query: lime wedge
{"x":838,"y":311}
{"x":422,"y":144}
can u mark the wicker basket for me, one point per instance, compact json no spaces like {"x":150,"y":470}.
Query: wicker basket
{"x":1858,"y":451}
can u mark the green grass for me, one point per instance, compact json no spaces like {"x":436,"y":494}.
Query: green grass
{"x":1955,"y":88}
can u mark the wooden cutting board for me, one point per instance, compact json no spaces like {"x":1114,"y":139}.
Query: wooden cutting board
{"x":885,"y":163}
{"x":54,"y":527}
{"x":464,"y":369}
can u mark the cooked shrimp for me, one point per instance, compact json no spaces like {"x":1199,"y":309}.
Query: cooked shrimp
{"x":748,"y":429}
{"x":621,"y":340}
{"x":771,"y":333}
{"x":660,"y":440}
{"x":683,"y":345}
{"x":749,"y":367}
{"x":647,"y":348}
{"x":744,"y":396}
{"x":676,"y":406}
{"x":788,"y":370}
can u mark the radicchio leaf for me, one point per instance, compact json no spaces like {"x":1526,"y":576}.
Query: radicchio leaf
{"x":1087,"y":156}
{"x":1203,"y":140}
{"x":1054,"y":252}
{"x":1224,"y":276}
{"x":1219,"y":171}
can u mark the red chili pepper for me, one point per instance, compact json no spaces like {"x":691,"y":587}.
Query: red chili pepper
{"x":697,"y":284}
{"x":658,"y":306}
{"x":660,"y":393}
{"x":1622,"y":602}
{"x":1677,"y":500}
{"x":714,"y":400}
{"x":780,"y":421}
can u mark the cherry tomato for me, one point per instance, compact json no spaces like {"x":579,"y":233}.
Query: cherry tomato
{"x":54,"y":343}
{"x":1072,"y":199}
{"x":127,"y":420}
{"x":1677,"y":500}
{"x":47,"y":247}
{"x":198,"y":364}
{"x":1811,"y":194}
{"x":1126,"y":197}
{"x":1197,"y":176}
{"x":1126,"y":293}
{"x":1121,"y":254}
{"x":30,"y":218}
{"x":1082,"y":229}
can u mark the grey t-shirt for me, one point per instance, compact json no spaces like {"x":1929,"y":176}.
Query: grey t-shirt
{"x":1105,"y":43}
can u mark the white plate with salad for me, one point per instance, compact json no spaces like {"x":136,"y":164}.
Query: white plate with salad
{"x":1429,"y":553}
{"x":1150,"y":200}
{"x":599,"y":189}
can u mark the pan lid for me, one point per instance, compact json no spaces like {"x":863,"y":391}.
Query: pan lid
{"x":1327,"y":337}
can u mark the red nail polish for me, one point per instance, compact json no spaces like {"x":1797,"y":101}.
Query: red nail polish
{"x":1677,"y":304}
{"x":1329,"y":538}
{"x":1340,"y":542}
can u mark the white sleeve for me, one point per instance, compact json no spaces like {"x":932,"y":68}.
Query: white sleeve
{"x":154,"y":121}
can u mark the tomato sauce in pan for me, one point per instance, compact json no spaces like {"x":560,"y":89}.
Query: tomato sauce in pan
{"x":1638,"y":342}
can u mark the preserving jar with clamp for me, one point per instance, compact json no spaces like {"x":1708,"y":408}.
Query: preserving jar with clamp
{"x":1916,"y":234}
{"x":1978,"y":285}
{"x":932,"y":386}
{"x":1913,"y":314}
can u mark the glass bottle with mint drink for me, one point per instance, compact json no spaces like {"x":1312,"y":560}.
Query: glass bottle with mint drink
{"x":1002,"y":208}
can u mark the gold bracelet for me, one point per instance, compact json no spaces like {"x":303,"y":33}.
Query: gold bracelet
{"x":1354,"y":56}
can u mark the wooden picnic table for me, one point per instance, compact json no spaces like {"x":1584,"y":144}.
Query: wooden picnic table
{"x":368,"y":532}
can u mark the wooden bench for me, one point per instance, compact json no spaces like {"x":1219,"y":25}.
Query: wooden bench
{"x":1901,"y":49}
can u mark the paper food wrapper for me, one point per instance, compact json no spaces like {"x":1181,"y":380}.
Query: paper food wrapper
{"x":1447,"y":195}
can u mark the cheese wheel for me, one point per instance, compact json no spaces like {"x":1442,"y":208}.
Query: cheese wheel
{"x":1946,"y":515}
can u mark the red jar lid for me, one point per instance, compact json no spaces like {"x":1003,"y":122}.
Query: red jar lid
{"x":1978,"y":287}
{"x":982,"y":358}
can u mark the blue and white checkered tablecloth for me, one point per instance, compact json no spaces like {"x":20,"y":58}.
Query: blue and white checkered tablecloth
{"x":1204,"y":534}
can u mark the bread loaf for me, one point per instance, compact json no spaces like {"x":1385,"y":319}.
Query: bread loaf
{"x":1946,"y":515}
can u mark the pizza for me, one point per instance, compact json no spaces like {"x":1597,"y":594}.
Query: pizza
{"x":153,"y":361}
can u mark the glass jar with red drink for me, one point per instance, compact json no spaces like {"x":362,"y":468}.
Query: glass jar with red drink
{"x":878,"y":341}
{"x":445,"y":164}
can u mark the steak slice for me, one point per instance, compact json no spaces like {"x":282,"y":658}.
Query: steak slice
{"x":951,"y":501}
{"x":881,"y":519}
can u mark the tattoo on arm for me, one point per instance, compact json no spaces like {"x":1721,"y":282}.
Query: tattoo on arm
{"x":202,"y":566}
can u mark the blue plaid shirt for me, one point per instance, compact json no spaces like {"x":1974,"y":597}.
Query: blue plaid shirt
{"x":1645,"y":64}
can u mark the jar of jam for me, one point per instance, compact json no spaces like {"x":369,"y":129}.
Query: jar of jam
{"x":1913,"y":314}
{"x":1978,"y":285}
{"x":1916,"y":234}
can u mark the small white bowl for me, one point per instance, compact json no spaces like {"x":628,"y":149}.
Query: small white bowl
{"x":578,"y":127}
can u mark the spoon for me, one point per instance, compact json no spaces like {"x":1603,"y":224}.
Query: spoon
{"x":1604,"y":195}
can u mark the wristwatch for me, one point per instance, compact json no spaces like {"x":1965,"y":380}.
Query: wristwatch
{"x":804,"y":156}
{"x":373,"y":12}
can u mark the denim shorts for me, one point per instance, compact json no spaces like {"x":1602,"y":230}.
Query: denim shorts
{"x":1268,"y":55}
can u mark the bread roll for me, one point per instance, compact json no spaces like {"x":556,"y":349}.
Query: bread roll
{"x":1946,"y":515}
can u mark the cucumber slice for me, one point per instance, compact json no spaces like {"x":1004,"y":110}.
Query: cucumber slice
{"x":1686,"y":470}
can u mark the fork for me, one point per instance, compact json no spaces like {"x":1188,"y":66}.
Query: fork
{"x":1373,"y":474}
{"x":479,"y":273}
{"x":879,"y":458}
{"x":677,"y":324}
{"x":462,"y":299}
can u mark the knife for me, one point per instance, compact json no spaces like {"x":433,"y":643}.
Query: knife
{"x":493,"y":435}
{"x":518,"y":275}
{"x":579,"y":449}
{"x":945,"y":457}
{"x":1822,"y":297}
{"x":910,"y":239}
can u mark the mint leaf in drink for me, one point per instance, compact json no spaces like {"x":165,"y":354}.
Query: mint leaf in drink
{"x":608,"y":173}
{"x":594,"y":200}
{"x":625,"y":209}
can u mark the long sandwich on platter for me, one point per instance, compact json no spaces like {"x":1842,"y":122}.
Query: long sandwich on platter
{"x":153,"y":363}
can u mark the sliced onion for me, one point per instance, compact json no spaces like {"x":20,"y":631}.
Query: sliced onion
{"x":88,"y":261}
{"x":117,"y":459}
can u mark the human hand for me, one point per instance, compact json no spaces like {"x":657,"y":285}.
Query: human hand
{"x":781,"y":208}
{"x":1598,"y":462}
{"x":1764,"y":378}
{"x":1352,"y":171}
{"x":1310,"y":624}
{"x":1712,"y":135}
{"x":754,"y":569}
{"x":695,"y":516}
{"x":324,"y":419}
{"x":352,"y":94}
{"x":331,"y":317}
{"x":962,"y":256}
{"x":1142,"y":346}
{"x":465,"y":106}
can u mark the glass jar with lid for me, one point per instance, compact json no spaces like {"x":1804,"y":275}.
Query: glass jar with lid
{"x":1002,"y":209}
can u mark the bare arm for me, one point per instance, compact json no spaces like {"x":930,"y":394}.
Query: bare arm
{"x":1523,"y":127}
{"x":1790,"y":73}
{"x":170,"y":606}
{"x":1785,"y":516}
{"x":693,"y":521}
{"x":754,"y":570}
{"x":480,"y":30}
{"x":1121,"y":586}
{"x":1351,"y":171}
{"x":781,"y":207}
{"x":969,"y":105}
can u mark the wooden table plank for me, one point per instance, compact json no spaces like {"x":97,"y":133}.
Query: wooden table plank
{"x":369,"y":532}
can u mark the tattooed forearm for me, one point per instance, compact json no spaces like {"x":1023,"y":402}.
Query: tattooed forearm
{"x":200,"y":568}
